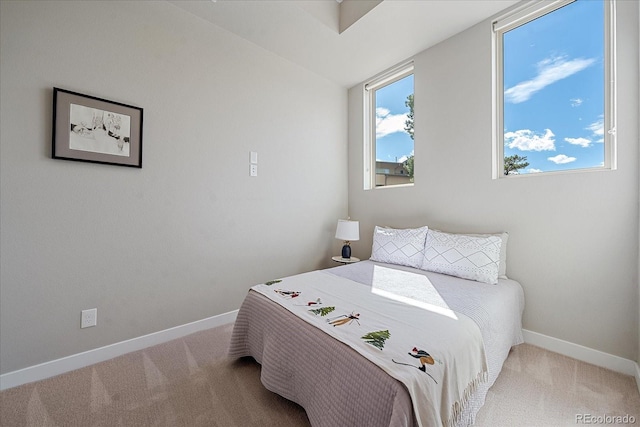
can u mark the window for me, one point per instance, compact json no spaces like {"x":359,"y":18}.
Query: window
{"x":554,"y":110}
{"x":389,"y":128}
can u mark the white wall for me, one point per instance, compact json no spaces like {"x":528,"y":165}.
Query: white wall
{"x":573,"y":237}
{"x":184,"y":237}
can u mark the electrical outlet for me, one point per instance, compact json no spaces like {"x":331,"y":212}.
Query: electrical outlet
{"x":253,"y":170}
{"x":89,"y":318}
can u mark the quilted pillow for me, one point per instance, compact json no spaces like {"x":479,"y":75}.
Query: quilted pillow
{"x":399,"y":246}
{"x":469,"y":257}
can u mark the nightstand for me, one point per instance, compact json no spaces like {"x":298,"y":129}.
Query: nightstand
{"x":345,"y":260}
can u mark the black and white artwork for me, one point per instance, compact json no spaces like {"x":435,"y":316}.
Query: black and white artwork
{"x":91,"y":129}
{"x":99,"y":131}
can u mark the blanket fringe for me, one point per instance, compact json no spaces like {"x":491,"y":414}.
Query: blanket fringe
{"x":458,"y":406}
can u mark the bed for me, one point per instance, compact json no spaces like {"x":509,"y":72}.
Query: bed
{"x":298,"y":329}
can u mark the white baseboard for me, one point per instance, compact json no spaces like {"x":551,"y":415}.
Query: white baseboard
{"x":80,"y":360}
{"x":585,"y":354}
{"x":638,"y":376}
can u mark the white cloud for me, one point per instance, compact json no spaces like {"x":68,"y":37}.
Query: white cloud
{"x":561,"y":159}
{"x":597,"y":128}
{"x":534,"y":170}
{"x":402,"y":159}
{"x":583,"y":142}
{"x":387,"y":123}
{"x":527,"y":140}
{"x":550,"y":70}
{"x":576,"y":102}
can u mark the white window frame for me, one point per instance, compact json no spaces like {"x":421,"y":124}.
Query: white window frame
{"x":383,"y":79}
{"x":520,"y":16}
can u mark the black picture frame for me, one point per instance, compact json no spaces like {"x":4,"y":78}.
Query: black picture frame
{"x":96,"y":130}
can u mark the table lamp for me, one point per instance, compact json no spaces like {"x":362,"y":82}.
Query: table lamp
{"x":348,"y":231}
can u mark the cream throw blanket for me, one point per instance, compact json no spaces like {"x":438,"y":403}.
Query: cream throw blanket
{"x":436,"y":353}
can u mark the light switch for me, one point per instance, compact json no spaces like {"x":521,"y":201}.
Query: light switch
{"x":254,"y":158}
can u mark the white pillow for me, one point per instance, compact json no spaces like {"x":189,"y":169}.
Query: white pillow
{"x":502,"y":267}
{"x":466,"y":256}
{"x":399,"y":246}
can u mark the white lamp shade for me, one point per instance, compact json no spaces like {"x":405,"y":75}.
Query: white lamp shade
{"x":348,"y":230}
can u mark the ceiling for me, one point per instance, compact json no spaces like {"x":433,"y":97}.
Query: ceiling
{"x":307,"y":32}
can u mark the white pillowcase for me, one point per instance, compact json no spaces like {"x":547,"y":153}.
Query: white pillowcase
{"x":466,"y":256}
{"x":399,"y":246}
{"x":502,"y":267}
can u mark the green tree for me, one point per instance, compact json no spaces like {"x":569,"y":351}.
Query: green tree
{"x":408,"y":124}
{"x":408,"y":127}
{"x":513,"y":163}
{"x":377,"y":338}
{"x":408,"y":166}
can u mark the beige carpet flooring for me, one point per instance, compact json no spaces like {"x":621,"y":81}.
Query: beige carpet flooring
{"x":190,"y":382}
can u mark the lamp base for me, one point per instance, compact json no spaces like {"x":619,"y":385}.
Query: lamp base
{"x":346,"y":251}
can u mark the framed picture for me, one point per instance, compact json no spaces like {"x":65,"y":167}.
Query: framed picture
{"x":90,"y":129}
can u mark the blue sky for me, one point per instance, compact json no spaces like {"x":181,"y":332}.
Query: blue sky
{"x":554,"y":89}
{"x":554,"y":94}
{"x":392,"y":142}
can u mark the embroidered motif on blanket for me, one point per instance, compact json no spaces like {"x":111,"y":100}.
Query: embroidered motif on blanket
{"x":322,"y":311}
{"x":377,"y":338}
